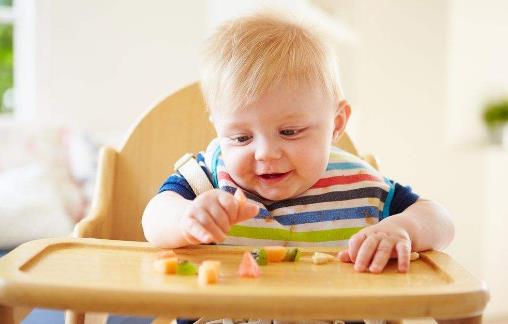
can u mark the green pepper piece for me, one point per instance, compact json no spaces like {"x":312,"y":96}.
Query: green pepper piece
{"x":298,"y":254}
{"x":260,"y":256}
{"x":292,"y":255}
{"x":186,"y":268}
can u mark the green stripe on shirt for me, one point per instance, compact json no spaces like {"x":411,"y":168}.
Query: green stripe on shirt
{"x":264,"y":233}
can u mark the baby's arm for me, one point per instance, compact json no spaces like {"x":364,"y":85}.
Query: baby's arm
{"x":430,"y":225}
{"x":422,"y":226}
{"x":171,"y":221}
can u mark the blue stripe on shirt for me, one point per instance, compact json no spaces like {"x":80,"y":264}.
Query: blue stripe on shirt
{"x":345,"y":166}
{"x":403,"y":196}
{"x":325,"y":215}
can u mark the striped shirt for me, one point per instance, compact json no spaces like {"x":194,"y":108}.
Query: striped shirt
{"x":349,"y":196}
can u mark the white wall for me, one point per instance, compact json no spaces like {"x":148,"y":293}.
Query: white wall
{"x":97,"y":65}
{"x":478,"y":68}
{"x":478,"y":72}
{"x":100,"y":64}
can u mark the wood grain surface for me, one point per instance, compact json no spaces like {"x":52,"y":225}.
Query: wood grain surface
{"x":119,"y":277}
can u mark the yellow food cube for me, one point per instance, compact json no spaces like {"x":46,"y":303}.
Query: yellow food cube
{"x":166,"y":265}
{"x":208,"y":272}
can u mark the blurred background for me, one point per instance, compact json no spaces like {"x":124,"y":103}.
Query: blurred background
{"x":427,"y":80}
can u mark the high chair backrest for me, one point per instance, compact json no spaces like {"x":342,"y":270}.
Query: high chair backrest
{"x":129,"y":177}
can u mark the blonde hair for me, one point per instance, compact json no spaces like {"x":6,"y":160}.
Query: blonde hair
{"x":247,"y":56}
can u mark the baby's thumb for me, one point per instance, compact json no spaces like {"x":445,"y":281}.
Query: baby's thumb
{"x":246,"y":210}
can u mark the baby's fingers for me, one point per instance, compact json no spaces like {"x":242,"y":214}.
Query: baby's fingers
{"x":219,"y":220}
{"x":246,"y":209}
{"x":381,"y":256}
{"x":209,"y":224}
{"x":354,"y":245}
{"x":194,"y":232}
{"x":344,"y":256}
{"x":403,"y":255}
{"x":365,"y":253}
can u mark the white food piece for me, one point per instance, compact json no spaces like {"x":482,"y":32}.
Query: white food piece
{"x":322,"y":258}
{"x":414,"y":256}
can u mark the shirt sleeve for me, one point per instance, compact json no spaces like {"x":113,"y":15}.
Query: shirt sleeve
{"x":177,"y":183}
{"x":403,"y":197}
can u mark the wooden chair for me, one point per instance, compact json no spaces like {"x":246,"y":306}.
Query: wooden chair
{"x":128,"y":177}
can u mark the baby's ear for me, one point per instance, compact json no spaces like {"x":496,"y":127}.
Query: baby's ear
{"x":343,"y":104}
{"x":341,"y":118}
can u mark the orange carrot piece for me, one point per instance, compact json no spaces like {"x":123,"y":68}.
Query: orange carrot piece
{"x":208,"y":274}
{"x":275,"y":253}
{"x":166,"y":265}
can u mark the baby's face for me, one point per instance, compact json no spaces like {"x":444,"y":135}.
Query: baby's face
{"x":278,"y":147}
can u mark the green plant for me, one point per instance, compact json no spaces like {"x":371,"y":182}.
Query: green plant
{"x":496,"y":113}
{"x":6,"y":60}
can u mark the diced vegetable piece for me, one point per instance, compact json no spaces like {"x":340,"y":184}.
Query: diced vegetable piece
{"x":321,"y":258}
{"x":275,"y":253}
{"x":249,"y":267}
{"x":414,"y":256}
{"x":298,"y":255}
{"x":208,"y":272}
{"x":292,"y":255}
{"x":166,"y":265}
{"x":260,"y":256}
{"x":213,"y":264}
{"x":186,"y":268}
{"x":166,"y":254}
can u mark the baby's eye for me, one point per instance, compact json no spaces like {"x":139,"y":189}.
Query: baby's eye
{"x":289,"y":132}
{"x":240,"y":139}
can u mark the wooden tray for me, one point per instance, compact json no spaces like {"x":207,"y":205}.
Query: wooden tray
{"x":118,"y":277}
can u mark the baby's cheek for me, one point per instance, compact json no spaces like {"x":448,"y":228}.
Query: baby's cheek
{"x":313,"y":165}
{"x":314,"y":160}
{"x":237,"y":165}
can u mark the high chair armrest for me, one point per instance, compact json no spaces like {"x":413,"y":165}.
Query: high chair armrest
{"x":372,"y":160}
{"x":97,"y":223}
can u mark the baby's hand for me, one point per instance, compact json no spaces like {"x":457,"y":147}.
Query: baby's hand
{"x":212,"y":214}
{"x":372,"y":247}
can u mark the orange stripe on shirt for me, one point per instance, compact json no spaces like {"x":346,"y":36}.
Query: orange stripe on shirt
{"x":347,"y":179}
{"x":224,"y":176}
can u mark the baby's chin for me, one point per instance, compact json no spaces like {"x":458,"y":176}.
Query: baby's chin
{"x":277,"y":195}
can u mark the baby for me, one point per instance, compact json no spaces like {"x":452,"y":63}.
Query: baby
{"x":272,"y":88}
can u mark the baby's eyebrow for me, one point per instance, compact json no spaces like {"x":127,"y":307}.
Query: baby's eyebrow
{"x":236,"y":124}
{"x":294,"y":116}
{"x":282,"y":118}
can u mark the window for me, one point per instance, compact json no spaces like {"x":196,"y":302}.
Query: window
{"x":6,"y":57}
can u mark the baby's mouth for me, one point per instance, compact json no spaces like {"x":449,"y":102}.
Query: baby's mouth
{"x":273,"y":177}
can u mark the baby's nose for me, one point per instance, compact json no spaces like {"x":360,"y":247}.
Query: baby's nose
{"x":266,"y":151}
